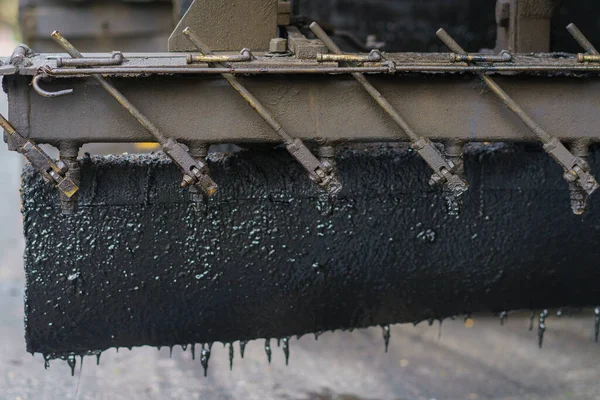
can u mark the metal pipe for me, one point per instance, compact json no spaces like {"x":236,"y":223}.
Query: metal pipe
{"x":213,"y":71}
{"x":581,"y":39}
{"x":141,"y":118}
{"x":249,"y":97}
{"x":504,"y":56}
{"x":583,"y":58}
{"x":35,"y":83}
{"x":116,"y":58}
{"x":443,"y":169}
{"x":426,"y":68}
{"x":244,"y":56}
{"x":323,"y":175}
{"x":194,"y":172}
{"x":373,"y":56}
{"x":576,"y":170}
{"x":506,"y":99}
{"x":377,"y":96}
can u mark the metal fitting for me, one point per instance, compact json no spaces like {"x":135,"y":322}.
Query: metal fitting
{"x":68,"y":152}
{"x":116,"y":58}
{"x":20,"y":56}
{"x":278,"y":45}
{"x":583,"y":58}
{"x":373,"y":56}
{"x":579,"y":197}
{"x":244,"y":56}
{"x":199,"y":151}
{"x":504,"y":56}
{"x":454,"y":151}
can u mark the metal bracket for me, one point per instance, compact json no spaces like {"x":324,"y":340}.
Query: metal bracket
{"x":576,"y":169}
{"x":321,"y":173}
{"x":52,"y":172}
{"x":194,"y":172}
{"x":444,"y":170}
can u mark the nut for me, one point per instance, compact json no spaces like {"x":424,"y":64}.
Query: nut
{"x":278,"y":45}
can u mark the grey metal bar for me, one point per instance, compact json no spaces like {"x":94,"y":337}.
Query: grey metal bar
{"x":581,"y":39}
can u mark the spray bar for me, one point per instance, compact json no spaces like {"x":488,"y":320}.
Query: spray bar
{"x":577,"y":171}
{"x":321,"y":172}
{"x":444,"y":170}
{"x":195,"y":172}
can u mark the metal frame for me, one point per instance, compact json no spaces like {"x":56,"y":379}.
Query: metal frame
{"x":326,"y":108}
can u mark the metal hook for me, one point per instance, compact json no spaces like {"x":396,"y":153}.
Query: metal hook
{"x":36,"y":86}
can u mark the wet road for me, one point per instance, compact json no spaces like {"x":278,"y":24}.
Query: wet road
{"x":476,"y":360}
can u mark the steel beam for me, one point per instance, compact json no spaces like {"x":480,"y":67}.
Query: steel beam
{"x":315,"y":108}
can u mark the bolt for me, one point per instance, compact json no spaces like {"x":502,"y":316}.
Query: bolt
{"x":198,"y":150}
{"x":68,"y":152}
{"x":436,"y":180}
{"x":187,"y":181}
{"x":278,"y":45}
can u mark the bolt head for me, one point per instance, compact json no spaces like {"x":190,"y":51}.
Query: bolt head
{"x":278,"y":45}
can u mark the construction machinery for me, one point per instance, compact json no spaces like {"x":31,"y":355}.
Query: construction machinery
{"x":369,"y":188}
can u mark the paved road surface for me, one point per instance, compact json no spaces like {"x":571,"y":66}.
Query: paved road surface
{"x":482,"y":361}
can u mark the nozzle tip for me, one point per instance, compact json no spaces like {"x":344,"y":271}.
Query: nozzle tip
{"x":186,"y":30}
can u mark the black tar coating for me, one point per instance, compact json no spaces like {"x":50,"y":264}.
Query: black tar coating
{"x":139,"y":265}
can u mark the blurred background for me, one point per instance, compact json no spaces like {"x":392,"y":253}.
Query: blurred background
{"x":472,"y":358}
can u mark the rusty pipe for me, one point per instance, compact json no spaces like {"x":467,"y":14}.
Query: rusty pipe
{"x":373,"y":56}
{"x":244,"y":56}
{"x":583,"y":58}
